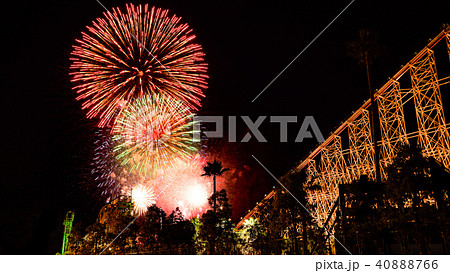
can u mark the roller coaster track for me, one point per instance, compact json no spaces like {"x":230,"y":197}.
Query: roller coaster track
{"x":329,"y":165}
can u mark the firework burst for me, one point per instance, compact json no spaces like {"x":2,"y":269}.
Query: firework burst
{"x":196,"y":195}
{"x":185,"y":188}
{"x":106,"y":170}
{"x":127,"y":55}
{"x":154,"y":133}
{"x":108,"y":174}
{"x":143,"y":197}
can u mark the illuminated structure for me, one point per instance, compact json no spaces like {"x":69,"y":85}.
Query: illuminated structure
{"x":330,"y":164}
{"x":67,"y":230}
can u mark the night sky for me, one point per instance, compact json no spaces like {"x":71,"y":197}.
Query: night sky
{"x":46,"y":139}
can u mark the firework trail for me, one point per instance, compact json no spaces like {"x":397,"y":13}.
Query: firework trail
{"x":141,"y":51}
{"x":154,"y":133}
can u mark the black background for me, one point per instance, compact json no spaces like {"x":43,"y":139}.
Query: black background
{"x":45,"y":135}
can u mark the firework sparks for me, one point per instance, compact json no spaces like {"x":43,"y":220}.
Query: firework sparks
{"x":196,"y":195}
{"x":106,"y":170}
{"x":185,"y":188}
{"x":154,"y":133}
{"x":127,"y":55}
{"x":143,"y":197}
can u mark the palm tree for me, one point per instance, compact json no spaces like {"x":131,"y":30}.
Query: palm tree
{"x":214,"y":169}
{"x":364,"y":49}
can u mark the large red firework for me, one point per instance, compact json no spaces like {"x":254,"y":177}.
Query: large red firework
{"x":141,"y":51}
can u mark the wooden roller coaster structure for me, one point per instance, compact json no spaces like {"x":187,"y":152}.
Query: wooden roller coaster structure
{"x":329,"y":165}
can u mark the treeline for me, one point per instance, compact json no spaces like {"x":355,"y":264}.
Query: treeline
{"x":159,"y":233}
{"x":155,"y":232}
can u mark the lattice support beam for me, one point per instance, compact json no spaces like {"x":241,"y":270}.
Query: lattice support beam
{"x":447,"y":38}
{"x":333,"y":172}
{"x":392,"y":125}
{"x":361,"y":147}
{"x":315,"y":194}
{"x":433,"y":135}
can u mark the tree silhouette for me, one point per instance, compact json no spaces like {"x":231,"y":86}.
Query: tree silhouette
{"x":409,"y":191}
{"x":361,"y":204}
{"x":214,"y":169}
{"x":296,"y":219}
{"x":283,"y":225}
{"x":178,"y":233}
{"x":151,"y":226}
{"x":408,"y":214}
{"x":253,"y":236}
{"x":216,"y":232}
{"x":365,"y":49}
